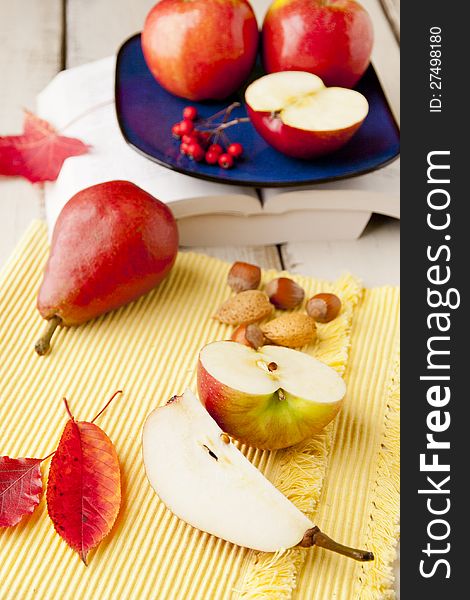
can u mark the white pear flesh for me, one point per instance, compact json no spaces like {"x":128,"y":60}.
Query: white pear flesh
{"x":209,"y":483}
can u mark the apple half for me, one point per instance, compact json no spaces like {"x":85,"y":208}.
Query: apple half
{"x":201,"y":476}
{"x":273,"y":397}
{"x":297,"y":115}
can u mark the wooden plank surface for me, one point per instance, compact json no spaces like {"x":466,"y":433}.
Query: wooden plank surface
{"x":392,"y":10}
{"x":365,"y":257}
{"x":30,"y":36}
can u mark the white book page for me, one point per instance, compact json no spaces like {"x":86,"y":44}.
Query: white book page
{"x":378,"y":192}
{"x":80,"y":103}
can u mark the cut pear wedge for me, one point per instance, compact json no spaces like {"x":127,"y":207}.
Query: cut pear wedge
{"x":201,"y":476}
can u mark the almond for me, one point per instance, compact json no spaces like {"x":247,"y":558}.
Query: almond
{"x":246,"y":307}
{"x":292,"y":330}
{"x":284,"y":293}
{"x":243,"y":276}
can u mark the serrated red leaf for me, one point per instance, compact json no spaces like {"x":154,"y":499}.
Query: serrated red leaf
{"x":20,"y":488}
{"x":84,"y":486}
{"x":39,"y":153}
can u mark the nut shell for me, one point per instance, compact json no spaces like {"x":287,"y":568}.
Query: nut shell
{"x":249,"y":335}
{"x":284,"y":293}
{"x":324,"y":307}
{"x":246,"y":307}
{"x":243,"y":276}
{"x":292,"y":330}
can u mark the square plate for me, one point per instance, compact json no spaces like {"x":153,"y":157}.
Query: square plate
{"x":146,"y":113}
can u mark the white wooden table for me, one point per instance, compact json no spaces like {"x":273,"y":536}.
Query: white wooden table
{"x":40,"y":37}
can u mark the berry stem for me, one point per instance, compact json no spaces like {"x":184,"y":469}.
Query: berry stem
{"x":224,"y":111}
{"x":232,"y":123}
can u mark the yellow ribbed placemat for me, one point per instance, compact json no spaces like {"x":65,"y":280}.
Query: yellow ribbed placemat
{"x":359,"y":502}
{"x":148,"y":349}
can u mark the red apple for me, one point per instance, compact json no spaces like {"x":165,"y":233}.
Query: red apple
{"x":273,"y":397}
{"x":330,"y":38}
{"x":201,"y":49}
{"x":296,"y":114}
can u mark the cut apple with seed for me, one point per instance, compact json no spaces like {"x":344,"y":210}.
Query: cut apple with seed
{"x":201,"y":476}
{"x":296,"y":114}
{"x":273,"y":397}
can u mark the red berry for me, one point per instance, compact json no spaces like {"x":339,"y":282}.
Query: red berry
{"x":212,"y":157}
{"x":196,"y":152}
{"x":189,"y":138}
{"x":176,"y":130}
{"x":226,"y":161}
{"x":190,"y":112}
{"x":235,"y":150}
{"x":186,"y":126}
{"x":184,"y":148}
{"x":204,"y":138}
{"x":217,"y":148}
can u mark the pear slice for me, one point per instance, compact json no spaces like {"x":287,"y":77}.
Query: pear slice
{"x":201,"y":476}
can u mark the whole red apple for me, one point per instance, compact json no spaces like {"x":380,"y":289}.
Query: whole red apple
{"x":200,"y":49}
{"x":329,"y":38}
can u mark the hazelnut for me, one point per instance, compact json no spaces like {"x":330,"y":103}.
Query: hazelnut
{"x":324,"y":307}
{"x":243,"y":276}
{"x":284,"y":293}
{"x":249,"y":335}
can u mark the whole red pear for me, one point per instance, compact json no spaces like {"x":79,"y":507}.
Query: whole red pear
{"x":112,"y":243}
{"x":329,"y":38}
{"x":200,"y":49}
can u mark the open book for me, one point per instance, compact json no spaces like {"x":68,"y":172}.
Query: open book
{"x":80,"y":103}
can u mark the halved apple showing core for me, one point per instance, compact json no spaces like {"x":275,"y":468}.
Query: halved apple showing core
{"x":273,"y":397}
{"x":201,"y":476}
{"x":296,"y":114}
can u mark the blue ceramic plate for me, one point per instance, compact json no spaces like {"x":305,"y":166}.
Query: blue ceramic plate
{"x":146,"y":113}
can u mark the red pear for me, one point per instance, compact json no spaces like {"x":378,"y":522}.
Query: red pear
{"x":112,"y":243}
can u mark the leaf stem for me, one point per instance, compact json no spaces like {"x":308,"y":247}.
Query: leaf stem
{"x":67,"y":408}
{"x":43,"y":344}
{"x":106,"y":405}
{"x":48,"y":456}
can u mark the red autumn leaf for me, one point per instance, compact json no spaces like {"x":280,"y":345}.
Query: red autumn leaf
{"x":39,"y":153}
{"x":84,"y":486}
{"x":20,"y":488}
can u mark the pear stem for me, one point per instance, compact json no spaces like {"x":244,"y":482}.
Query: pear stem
{"x":315,"y":537}
{"x":43,"y":344}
